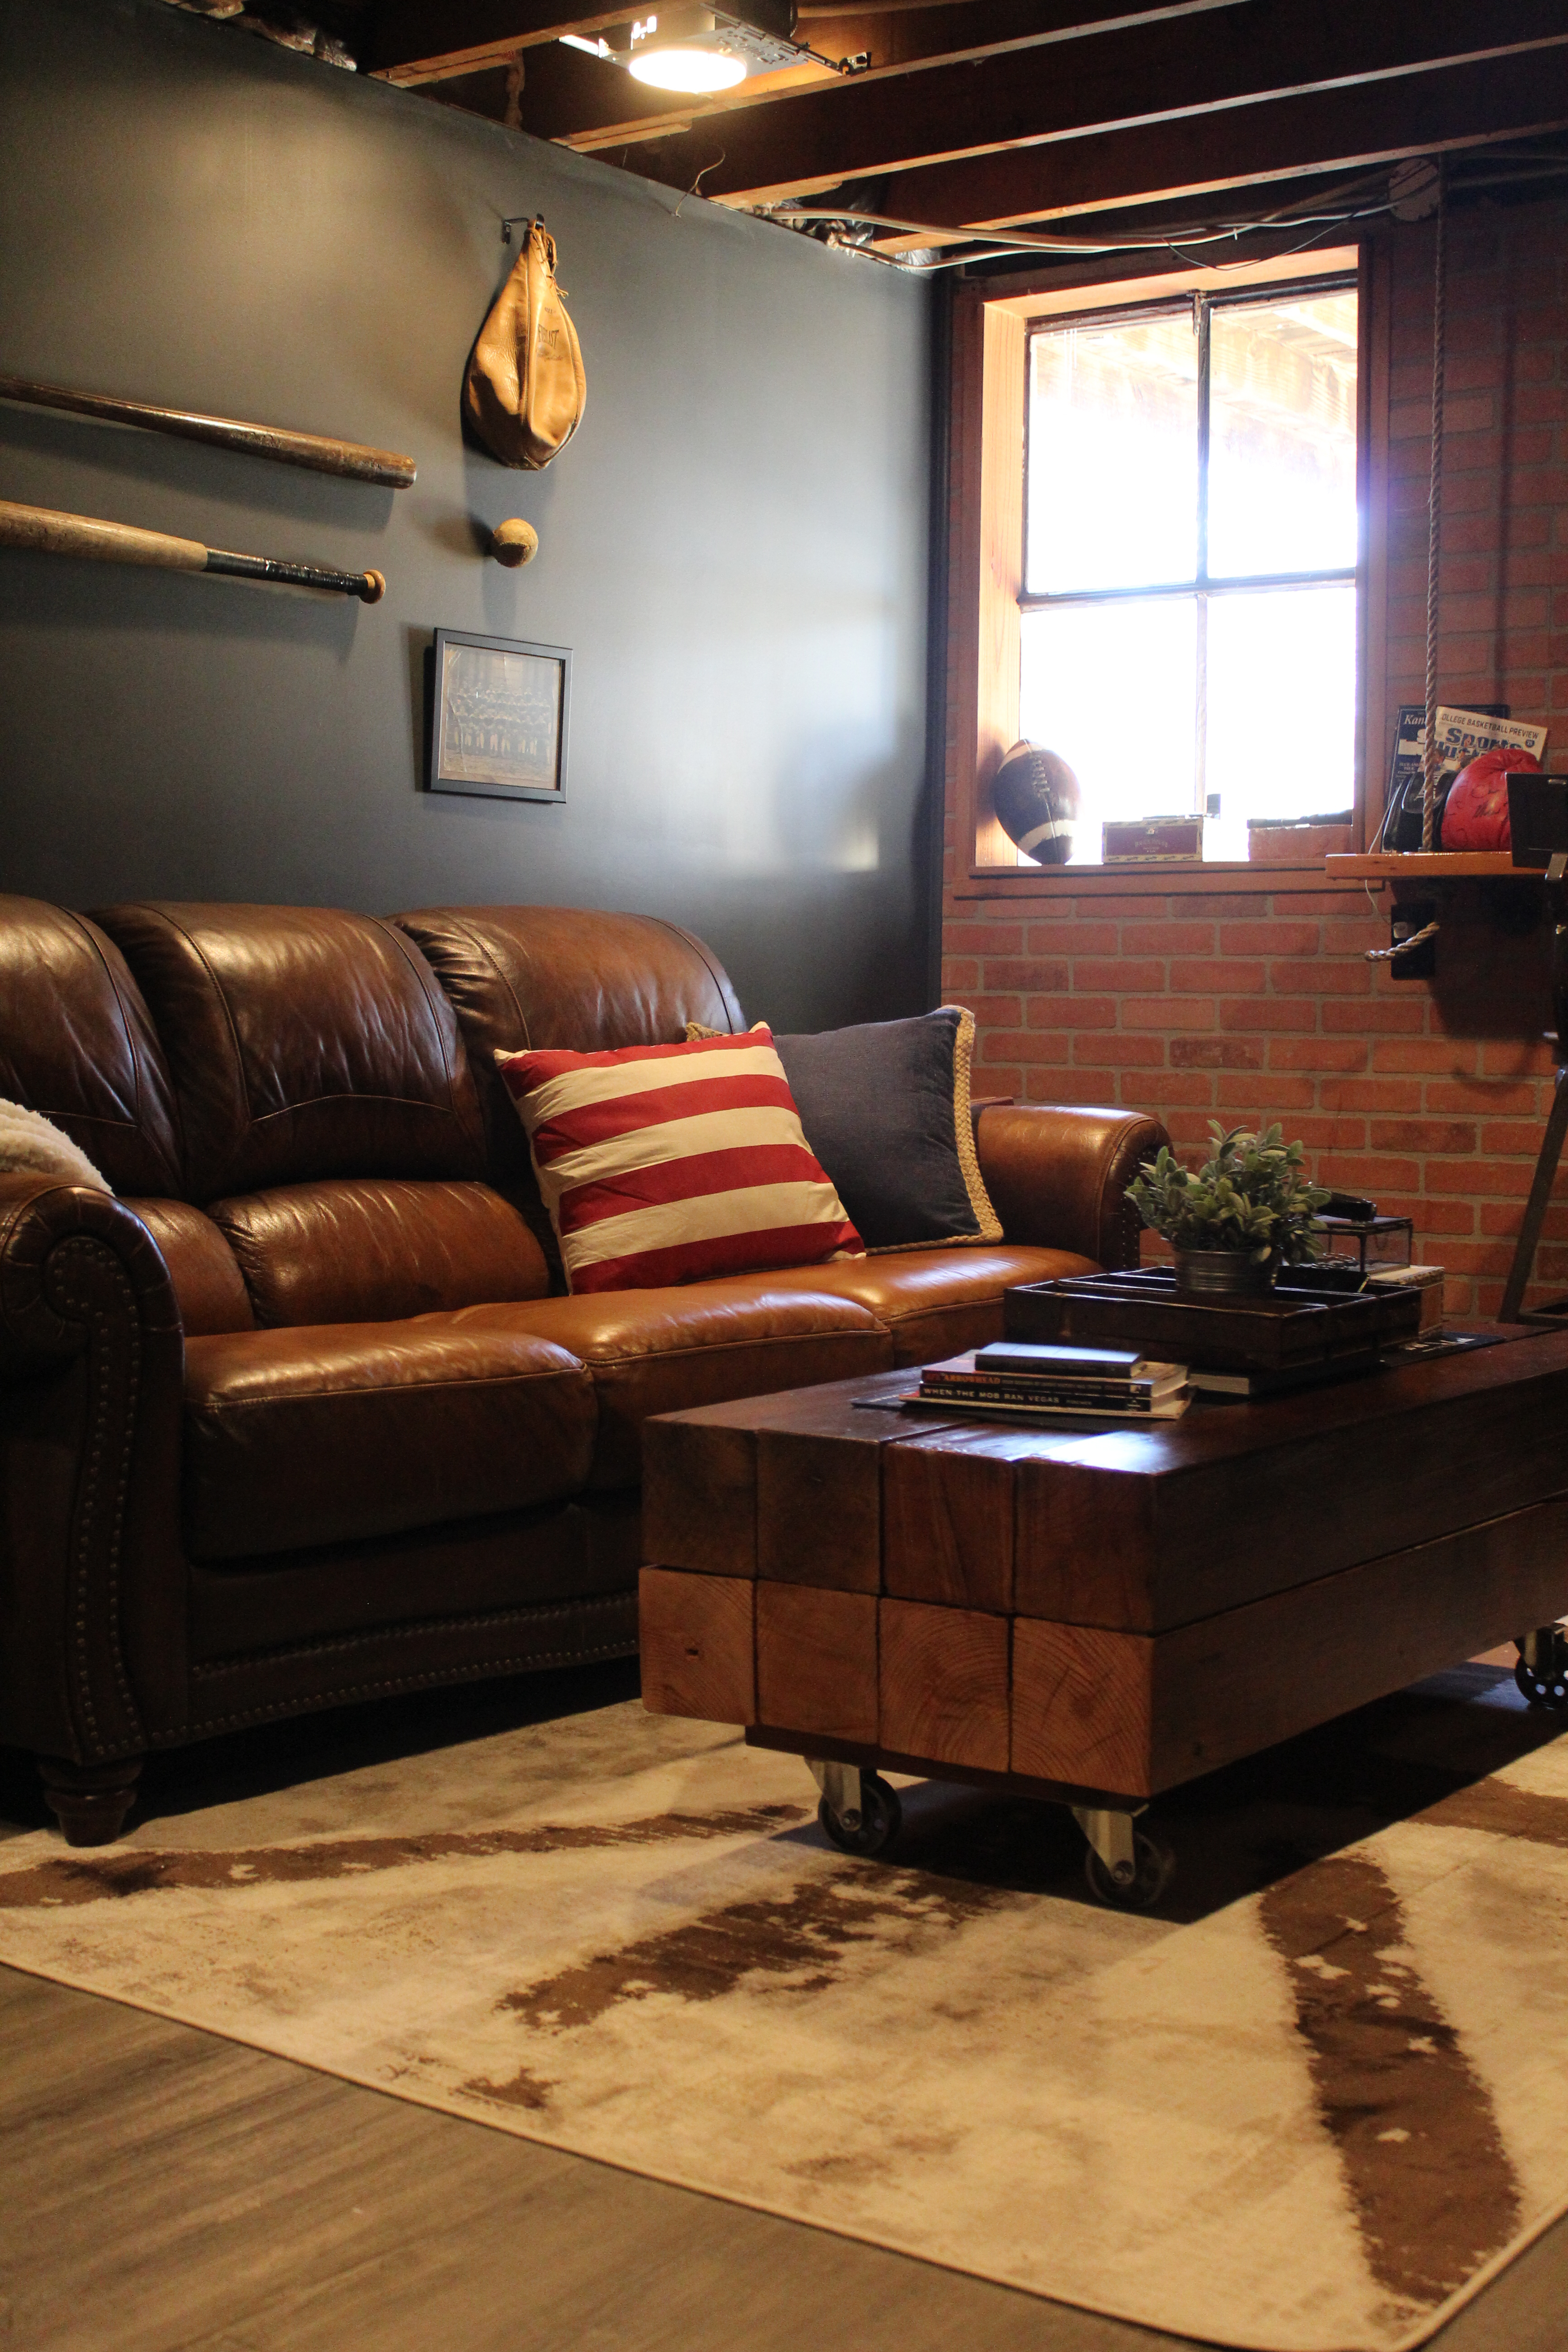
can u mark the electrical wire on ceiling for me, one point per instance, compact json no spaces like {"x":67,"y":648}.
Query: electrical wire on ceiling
{"x":852,"y":230}
{"x":1024,"y":242}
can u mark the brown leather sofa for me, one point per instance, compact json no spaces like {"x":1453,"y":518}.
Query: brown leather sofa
{"x":301,"y":1415}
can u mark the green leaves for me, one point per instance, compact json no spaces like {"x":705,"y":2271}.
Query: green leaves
{"x":1253,"y":1193}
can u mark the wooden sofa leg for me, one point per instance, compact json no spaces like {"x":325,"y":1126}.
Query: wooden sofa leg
{"x":89,"y":1801}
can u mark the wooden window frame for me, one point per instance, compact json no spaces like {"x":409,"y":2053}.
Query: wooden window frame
{"x":990,"y":325}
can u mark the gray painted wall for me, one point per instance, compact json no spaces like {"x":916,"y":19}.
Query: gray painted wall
{"x":734,"y":544}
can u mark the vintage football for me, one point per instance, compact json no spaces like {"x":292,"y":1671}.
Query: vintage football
{"x":1036,"y":796}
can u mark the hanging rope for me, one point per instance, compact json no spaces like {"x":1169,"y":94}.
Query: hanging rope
{"x":1435,"y":520}
{"x":1402,"y":947}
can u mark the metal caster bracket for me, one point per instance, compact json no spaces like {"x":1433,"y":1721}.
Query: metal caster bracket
{"x":1125,"y":1868}
{"x":859,"y":1813}
{"x":840,"y":1784}
{"x":1110,"y":1834}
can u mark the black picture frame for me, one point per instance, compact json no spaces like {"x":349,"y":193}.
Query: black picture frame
{"x":498,"y":711}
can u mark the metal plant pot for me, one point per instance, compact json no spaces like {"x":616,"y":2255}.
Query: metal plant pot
{"x":1223,"y":1274}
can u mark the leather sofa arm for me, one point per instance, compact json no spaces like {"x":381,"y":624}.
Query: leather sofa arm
{"x":1057,"y":1175}
{"x":50,"y":1231}
{"x":91,"y":1368}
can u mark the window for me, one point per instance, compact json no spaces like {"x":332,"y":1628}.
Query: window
{"x":1186,"y":573}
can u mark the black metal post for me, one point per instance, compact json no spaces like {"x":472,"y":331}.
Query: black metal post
{"x":1540,"y":1199}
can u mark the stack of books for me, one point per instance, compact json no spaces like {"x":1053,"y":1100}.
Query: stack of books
{"x":1015,"y":1377}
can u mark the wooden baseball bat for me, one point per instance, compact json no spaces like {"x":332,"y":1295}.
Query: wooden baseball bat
{"x":47,"y":532}
{"x":312,"y":449}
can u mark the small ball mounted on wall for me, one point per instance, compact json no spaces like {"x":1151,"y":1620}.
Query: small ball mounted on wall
{"x":514,"y":543}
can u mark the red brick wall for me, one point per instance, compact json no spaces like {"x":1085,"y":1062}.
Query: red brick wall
{"x":1431,"y":1097}
{"x":1241,"y":1008}
{"x":1504,"y":576}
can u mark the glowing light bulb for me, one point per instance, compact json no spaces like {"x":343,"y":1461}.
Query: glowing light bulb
{"x":692,"y":71}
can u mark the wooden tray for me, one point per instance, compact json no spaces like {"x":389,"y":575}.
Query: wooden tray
{"x":1288,"y":1328}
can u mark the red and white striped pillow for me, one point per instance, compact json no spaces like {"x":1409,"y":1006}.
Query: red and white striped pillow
{"x":675,"y":1163}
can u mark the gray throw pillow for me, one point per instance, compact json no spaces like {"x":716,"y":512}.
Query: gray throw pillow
{"x":885,"y":1107}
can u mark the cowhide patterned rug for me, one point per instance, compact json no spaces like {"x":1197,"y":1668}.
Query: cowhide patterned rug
{"x":1314,"y":2103}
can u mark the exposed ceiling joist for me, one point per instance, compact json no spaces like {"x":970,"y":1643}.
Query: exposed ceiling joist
{"x":416,"y":41}
{"x":980,"y":118}
{"x":805,"y":143}
{"x":902,"y":41}
{"x":913,"y":34}
{"x":565,"y":96}
{"x":557,"y":90}
{"x":1346,"y":129}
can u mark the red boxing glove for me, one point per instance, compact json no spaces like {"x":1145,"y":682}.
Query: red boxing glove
{"x":1475,"y":815}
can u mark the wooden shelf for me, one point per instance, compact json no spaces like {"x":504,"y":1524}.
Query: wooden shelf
{"x":1418,"y":865}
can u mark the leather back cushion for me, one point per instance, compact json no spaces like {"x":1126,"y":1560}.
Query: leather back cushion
{"x":202,"y":1267}
{"x":304,"y":1042}
{"x":565,"y":978}
{"x":378,"y":1249}
{"x":78,"y":1045}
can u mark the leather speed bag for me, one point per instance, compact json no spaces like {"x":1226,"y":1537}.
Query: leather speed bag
{"x":524,"y":389}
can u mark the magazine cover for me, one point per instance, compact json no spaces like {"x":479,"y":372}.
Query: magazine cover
{"x":1462,"y":733}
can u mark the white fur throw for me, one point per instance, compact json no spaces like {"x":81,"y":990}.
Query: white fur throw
{"x":32,"y":1145}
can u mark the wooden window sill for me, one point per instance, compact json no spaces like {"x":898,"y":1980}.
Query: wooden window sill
{"x":1219,"y":877}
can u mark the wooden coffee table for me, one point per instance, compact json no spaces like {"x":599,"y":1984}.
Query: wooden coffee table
{"x":1093,"y":1613}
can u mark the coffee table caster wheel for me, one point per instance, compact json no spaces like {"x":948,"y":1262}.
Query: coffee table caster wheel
{"x":882,"y":1818}
{"x":1152,"y":1868}
{"x":1541,"y":1672}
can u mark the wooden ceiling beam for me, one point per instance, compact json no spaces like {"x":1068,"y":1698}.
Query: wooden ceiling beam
{"x":916,"y":33}
{"x":545,"y":90}
{"x":1339,"y":130}
{"x":898,"y":38}
{"x":416,"y":41}
{"x":808,"y":142}
{"x":602,"y":128}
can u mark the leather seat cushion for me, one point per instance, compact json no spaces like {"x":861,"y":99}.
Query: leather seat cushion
{"x":935,"y":1302}
{"x":330,"y":1435}
{"x":663,"y":1351}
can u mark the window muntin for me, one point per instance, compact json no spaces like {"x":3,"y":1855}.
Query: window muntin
{"x":1207,"y":451}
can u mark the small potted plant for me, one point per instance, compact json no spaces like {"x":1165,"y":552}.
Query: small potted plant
{"x":1248,"y":1209}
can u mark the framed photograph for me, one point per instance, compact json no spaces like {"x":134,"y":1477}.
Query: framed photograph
{"x":498,"y":718}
